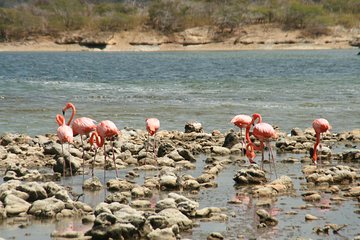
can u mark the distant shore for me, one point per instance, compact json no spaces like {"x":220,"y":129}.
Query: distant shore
{"x":199,"y":39}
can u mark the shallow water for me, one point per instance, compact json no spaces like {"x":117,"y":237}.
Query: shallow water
{"x":242,"y":220}
{"x":289,"y":88}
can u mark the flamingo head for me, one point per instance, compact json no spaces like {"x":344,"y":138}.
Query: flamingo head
{"x":67,"y":106}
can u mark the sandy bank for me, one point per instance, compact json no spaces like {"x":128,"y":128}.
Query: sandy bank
{"x":256,"y":37}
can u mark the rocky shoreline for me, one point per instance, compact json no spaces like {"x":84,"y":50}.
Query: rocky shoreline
{"x":252,"y":37}
{"x":33,"y":186}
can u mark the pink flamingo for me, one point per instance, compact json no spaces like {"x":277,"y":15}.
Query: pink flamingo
{"x":320,"y":126}
{"x":152,"y":126}
{"x":241,"y":121}
{"x":82,"y":126}
{"x":251,"y":147}
{"x":99,"y":142}
{"x":108,"y":130}
{"x":264,"y":132}
{"x":65,"y":134}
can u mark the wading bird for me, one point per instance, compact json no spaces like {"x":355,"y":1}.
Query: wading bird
{"x":320,"y":126}
{"x":82,"y":126}
{"x":65,"y":135}
{"x":242,"y":121}
{"x":251,"y":147}
{"x":264,"y":132}
{"x":97,"y":142}
{"x":152,"y":125}
{"x":108,"y":130}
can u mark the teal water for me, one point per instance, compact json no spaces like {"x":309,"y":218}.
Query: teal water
{"x":289,"y":88}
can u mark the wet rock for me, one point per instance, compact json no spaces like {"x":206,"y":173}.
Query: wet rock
{"x":140,"y":204}
{"x":140,"y":192}
{"x":51,"y":188}
{"x":88,"y":219}
{"x":163,"y":234}
{"x":119,"y":185}
{"x":164,"y":204}
{"x":309,"y":217}
{"x":231,"y":140}
{"x":187,"y":155}
{"x":353,"y":192}
{"x":34,"y":189}
{"x":250,"y":175}
{"x":157,"y":221}
{"x":297,"y":132}
{"x":205,"y":178}
{"x":15,"y":205}
{"x":217,"y":150}
{"x":215,"y":236}
{"x":207,"y":212}
{"x":311,"y":196}
{"x":266,"y":218}
{"x":165,"y":161}
{"x":191,"y":185}
{"x":333,"y":175}
{"x":193,"y":127}
{"x":92,"y":184}
{"x":169,"y":182}
{"x":165,"y":148}
{"x":66,"y":234}
{"x":69,"y":159}
{"x":46,"y":208}
{"x":351,"y":155}
{"x":175,"y":156}
{"x":174,"y":216}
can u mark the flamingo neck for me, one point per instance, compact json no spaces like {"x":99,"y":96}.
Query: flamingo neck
{"x":96,"y":138}
{"x":255,"y":116}
{"x":315,"y":146}
{"x":60,"y":119}
{"x":73,"y":112}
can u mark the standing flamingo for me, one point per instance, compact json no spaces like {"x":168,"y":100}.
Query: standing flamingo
{"x":65,"y":134}
{"x":241,"y":121}
{"x":82,"y":126}
{"x":152,"y":125}
{"x":108,"y":130}
{"x":264,"y":132}
{"x":99,"y":142}
{"x":251,"y":147}
{"x":320,"y":126}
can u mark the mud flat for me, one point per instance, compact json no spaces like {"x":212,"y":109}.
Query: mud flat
{"x":199,"y":186}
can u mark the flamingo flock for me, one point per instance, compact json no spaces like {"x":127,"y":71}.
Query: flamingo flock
{"x":106,"y":130}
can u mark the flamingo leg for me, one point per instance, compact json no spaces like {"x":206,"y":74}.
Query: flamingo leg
{"x":320,"y":148}
{"x":155,"y":147}
{"x":64,"y":163}
{"x":104,"y":163}
{"x":242,"y":142}
{"x":113,"y":152}
{"x":83,"y":153}
{"x":272,"y":159}
{"x":70,"y":160}
{"x":93,"y":164}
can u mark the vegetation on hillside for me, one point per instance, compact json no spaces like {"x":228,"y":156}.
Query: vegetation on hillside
{"x":21,"y":19}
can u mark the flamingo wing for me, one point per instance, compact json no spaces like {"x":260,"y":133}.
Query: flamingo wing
{"x":65,"y":134}
{"x":241,"y":120}
{"x":107,"y":128}
{"x":152,"y":125}
{"x":321,"y":125}
{"x":264,"y":131}
{"x":83,"y":126}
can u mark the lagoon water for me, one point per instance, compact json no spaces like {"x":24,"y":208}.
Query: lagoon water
{"x":289,"y":88}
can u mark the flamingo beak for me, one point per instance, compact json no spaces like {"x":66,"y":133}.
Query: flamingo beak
{"x":63,"y":112}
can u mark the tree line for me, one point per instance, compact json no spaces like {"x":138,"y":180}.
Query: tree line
{"x":21,"y":19}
